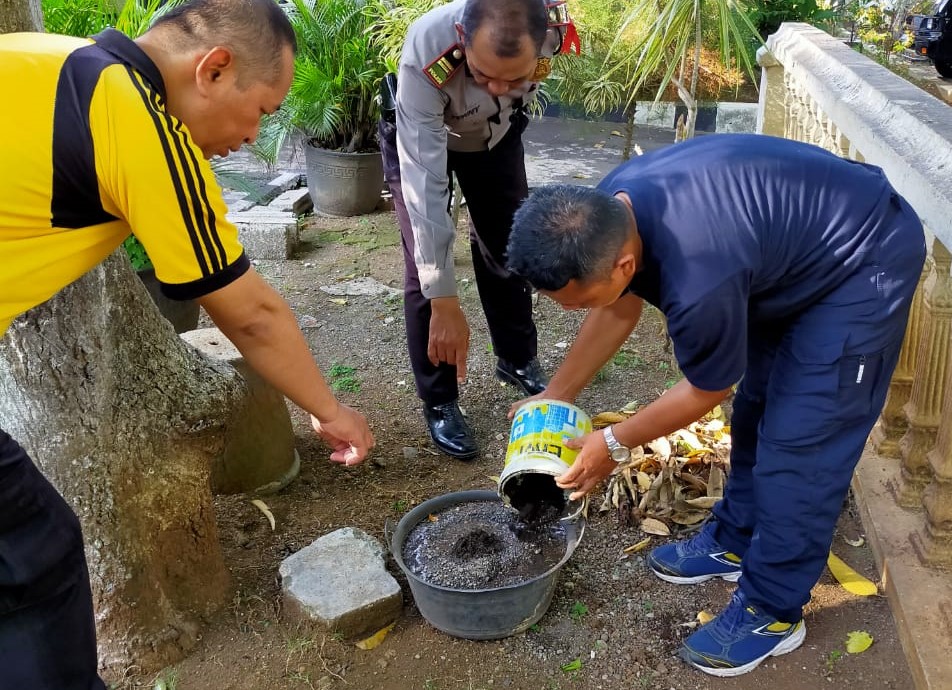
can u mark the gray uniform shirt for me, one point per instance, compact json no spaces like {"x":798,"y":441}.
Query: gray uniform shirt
{"x":459,"y":115}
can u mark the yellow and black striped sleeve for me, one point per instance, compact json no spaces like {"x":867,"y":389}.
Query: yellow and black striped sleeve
{"x":153,"y":175}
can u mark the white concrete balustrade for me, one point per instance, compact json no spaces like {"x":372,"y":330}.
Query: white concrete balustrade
{"x":816,"y":89}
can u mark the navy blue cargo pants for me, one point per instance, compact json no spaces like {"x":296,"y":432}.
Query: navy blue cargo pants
{"x":47,"y":633}
{"x":814,"y":386}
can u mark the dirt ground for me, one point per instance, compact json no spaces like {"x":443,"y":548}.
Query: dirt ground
{"x":611,"y":620}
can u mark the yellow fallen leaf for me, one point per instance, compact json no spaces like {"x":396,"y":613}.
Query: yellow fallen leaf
{"x":263,"y":507}
{"x":375,"y":639}
{"x":644,"y":481}
{"x":432,"y":518}
{"x":653,"y":526}
{"x":858,"y":641}
{"x":852,"y":581}
{"x":635,"y":548}
{"x":603,"y":419}
{"x":616,"y":133}
{"x":339,"y":300}
{"x":704,"y":617}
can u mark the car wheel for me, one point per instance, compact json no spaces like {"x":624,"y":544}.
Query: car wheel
{"x":944,"y":68}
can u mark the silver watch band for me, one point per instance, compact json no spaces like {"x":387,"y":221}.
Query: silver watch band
{"x":610,"y":439}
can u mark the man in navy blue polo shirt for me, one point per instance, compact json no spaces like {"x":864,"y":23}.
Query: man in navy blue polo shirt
{"x":777,"y":265}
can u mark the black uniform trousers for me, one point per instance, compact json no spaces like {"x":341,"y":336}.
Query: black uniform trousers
{"x":494,"y":185}
{"x":47,"y":633}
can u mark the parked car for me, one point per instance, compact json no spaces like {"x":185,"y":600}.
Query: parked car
{"x":933,"y":36}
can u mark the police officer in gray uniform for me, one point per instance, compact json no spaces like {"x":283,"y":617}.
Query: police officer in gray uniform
{"x":467,"y":71}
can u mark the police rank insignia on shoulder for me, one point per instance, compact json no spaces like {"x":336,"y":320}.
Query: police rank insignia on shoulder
{"x":543,"y":69}
{"x":443,"y":67}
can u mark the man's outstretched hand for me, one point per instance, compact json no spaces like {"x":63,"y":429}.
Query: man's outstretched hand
{"x":347,"y":433}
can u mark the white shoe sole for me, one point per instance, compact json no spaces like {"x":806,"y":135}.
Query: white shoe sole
{"x":788,"y":645}
{"x":730,"y":577}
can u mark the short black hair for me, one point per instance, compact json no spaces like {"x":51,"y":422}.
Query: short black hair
{"x":509,"y":21}
{"x":565,"y":232}
{"x":256,"y":32}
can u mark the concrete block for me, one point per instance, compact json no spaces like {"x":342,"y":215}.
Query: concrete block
{"x":736,"y":117}
{"x":266,"y":233}
{"x":240,"y":205}
{"x":286,"y":181}
{"x":340,"y":582}
{"x":259,"y":454}
{"x":945,"y":92}
{"x":296,"y":201}
{"x":659,"y":114}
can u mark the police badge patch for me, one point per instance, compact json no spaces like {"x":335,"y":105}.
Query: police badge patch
{"x":443,"y":67}
{"x":543,"y":69}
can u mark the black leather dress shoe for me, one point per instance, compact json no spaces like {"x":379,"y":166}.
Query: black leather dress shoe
{"x":450,"y":431}
{"x":530,"y":378}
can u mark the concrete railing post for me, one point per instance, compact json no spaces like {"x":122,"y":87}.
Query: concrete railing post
{"x":924,"y":409}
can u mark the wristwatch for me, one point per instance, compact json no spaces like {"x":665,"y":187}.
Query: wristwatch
{"x":617,"y":451}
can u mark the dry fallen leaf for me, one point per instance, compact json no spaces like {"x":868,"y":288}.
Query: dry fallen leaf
{"x":852,"y":581}
{"x":432,"y":518}
{"x":263,"y":507}
{"x":858,"y":641}
{"x":704,"y":617}
{"x":375,"y":639}
{"x":603,"y":419}
{"x":859,"y":541}
{"x":653,"y":526}
{"x":339,"y":300}
{"x":635,"y":548}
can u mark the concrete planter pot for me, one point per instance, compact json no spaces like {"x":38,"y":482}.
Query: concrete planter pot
{"x":183,"y":314}
{"x":343,"y":184}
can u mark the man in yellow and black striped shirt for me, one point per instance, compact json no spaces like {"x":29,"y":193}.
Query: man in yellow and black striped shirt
{"x":107,"y":136}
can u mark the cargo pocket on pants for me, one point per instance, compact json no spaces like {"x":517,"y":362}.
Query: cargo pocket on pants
{"x":859,"y":379}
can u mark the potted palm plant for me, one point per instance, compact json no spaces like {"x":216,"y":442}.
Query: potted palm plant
{"x":333,"y":104}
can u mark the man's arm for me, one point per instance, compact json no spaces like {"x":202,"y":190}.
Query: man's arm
{"x":603,"y":331}
{"x":261,"y":325}
{"x":421,"y":145}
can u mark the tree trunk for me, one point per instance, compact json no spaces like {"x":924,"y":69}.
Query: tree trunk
{"x":20,"y":15}
{"x":695,"y":69}
{"x":125,"y":420}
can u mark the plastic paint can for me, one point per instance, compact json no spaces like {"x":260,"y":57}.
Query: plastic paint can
{"x":537,"y":453}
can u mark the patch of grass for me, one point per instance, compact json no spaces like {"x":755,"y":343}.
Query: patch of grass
{"x":399,"y":506}
{"x":166,"y":681}
{"x":579,"y":609}
{"x":301,"y":677}
{"x":831,"y":660}
{"x":572,"y":667}
{"x":535,"y":627}
{"x":645,"y":681}
{"x":366,"y":236}
{"x":343,"y":378}
{"x":627,"y":359}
